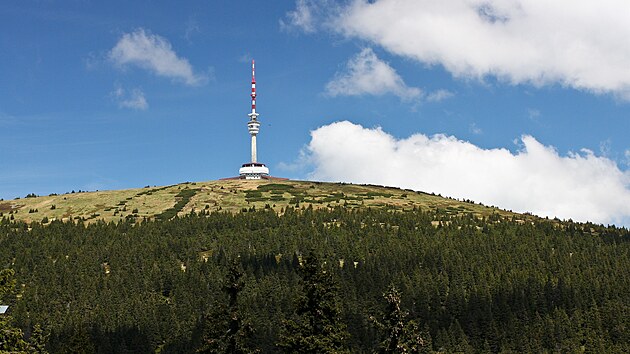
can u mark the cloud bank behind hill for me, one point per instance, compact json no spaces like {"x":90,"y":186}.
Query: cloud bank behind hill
{"x":580,"y":186}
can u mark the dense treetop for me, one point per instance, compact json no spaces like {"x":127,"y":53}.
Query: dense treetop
{"x":468,"y":283}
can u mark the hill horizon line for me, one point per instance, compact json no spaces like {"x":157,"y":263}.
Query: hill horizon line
{"x":234,"y":195}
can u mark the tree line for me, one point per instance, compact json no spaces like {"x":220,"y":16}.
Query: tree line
{"x":339,"y":280}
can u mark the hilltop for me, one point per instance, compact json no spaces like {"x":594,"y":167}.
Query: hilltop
{"x":470,"y":283}
{"x":229,"y":195}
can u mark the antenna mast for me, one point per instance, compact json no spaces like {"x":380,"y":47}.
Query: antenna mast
{"x":253,"y":125}
{"x":253,"y":169}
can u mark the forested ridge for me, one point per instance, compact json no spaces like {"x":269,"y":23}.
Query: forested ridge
{"x":470,"y":284}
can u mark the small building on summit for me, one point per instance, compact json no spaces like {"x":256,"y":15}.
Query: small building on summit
{"x":253,"y":170}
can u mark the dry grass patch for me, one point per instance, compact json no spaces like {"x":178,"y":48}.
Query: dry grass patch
{"x":232,"y":196}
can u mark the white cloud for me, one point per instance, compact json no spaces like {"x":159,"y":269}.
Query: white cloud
{"x":301,"y":18}
{"x":133,"y":99}
{"x":475,"y":129}
{"x":627,"y":155}
{"x":366,"y":74}
{"x":192,"y":28}
{"x":581,"y":44}
{"x":439,"y":95}
{"x":153,"y":53}
{"x":605,"y":147}
{"x":581,"y":186}
{"x":533,"y":114}
{"x":92,"y":60}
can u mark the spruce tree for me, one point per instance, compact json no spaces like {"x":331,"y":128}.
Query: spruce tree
{"x":226,"y":332}
{"x":38,"y":340}
{"x":11,"y":338}
{"x":316,"y":326}
{"x":399,"y":334}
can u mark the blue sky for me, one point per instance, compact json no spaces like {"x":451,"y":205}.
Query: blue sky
{"x":531,"y":107}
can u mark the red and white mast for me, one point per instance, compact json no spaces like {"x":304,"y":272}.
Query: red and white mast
{"x":253,"y":169}
{"x":253,"y":125}
{"x":253,"y":88}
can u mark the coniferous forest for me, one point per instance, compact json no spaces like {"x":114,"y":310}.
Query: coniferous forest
{"x":304,"y":280}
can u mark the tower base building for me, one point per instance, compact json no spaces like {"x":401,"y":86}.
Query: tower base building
{"x":254,"y":170}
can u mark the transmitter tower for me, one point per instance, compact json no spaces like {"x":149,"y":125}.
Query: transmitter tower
{"x":253,"y":169}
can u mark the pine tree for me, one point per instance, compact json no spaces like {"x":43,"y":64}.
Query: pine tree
{"x":316,"y":326}
{"x":38,"y":340}
{"x":11,"y":338}
{"x":400,"y":335}
{"x":226,"y":332}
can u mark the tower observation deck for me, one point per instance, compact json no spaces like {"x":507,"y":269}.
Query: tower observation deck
{"x":253,"y":169}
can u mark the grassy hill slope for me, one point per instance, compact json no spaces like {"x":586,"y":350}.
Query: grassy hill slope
{"x":227,"y":195}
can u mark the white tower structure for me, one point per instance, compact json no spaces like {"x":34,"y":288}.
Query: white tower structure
{"x":253,"y":169}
